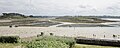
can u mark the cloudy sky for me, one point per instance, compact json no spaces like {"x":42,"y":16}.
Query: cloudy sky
{"x":61,"y":7}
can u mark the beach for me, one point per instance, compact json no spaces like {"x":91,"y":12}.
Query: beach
{"x":62,"y":31}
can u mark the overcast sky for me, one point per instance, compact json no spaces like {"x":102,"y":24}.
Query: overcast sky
{"x":61,"y":7}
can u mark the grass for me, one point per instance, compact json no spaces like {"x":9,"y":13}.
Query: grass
{"x":12,"y":17}
{"x":9,"y":41}
{"x":8,"y":45}
{"x":51,"y":42}
{"x":91,"y":46}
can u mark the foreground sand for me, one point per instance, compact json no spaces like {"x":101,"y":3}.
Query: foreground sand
{"x":62,"y":31}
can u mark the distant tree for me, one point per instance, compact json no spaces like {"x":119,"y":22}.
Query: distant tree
{"x":31,"y":16}
{"x":4,"y":14}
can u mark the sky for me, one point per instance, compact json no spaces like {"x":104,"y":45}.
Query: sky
{"x":61,"y":7}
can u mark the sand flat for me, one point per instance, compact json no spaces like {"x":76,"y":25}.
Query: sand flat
{"x":62,"y":31}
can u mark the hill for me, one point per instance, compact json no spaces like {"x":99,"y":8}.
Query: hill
{"x":12,"y":16}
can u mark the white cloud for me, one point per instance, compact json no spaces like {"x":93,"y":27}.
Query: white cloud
{"x":61,"y":7}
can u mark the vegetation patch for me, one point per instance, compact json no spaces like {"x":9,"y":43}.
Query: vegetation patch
{"x":9,"y":39}
{"x":51,"y":42}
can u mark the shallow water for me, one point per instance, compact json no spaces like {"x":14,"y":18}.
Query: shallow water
{"x":112,"y":19}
